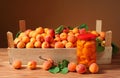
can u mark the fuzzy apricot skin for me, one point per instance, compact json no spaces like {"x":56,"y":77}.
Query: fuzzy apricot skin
{"x":72,"y":67}
{"x":94,"y":68}
{"x":17,"y":64}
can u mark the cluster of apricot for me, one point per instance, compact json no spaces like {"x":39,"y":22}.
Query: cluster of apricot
{"x":81,"y":68}
{"x":17,"y":64}
{"x":47,"y":38}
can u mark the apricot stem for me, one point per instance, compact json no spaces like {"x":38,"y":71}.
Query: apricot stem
{"x":42,"y":58}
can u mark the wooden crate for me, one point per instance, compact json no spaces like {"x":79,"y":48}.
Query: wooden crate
{"x":57,"y":55}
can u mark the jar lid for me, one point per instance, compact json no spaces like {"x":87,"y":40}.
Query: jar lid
{"x":87,"y":36}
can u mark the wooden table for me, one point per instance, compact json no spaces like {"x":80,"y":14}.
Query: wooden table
{"x":6,"y":70}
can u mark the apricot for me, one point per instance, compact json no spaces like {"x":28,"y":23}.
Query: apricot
{"x":17,"y":64}
{"x":81,"y":68}
{"x":29,"y":45}
{"x":64,"y":42}
{"x":37,"y":44}
{"x":25,"y":39}
{"x":72,"y":66}
{"x":102,"y":34}
{"x":57,"y":39}
{"x":48,"y":39}
{"x":94,"y":68}
{"x":63,"y":36}
{"x":39,"y":30}
{"x":76,"y":34}
{"x":71,"y":38}
{"x":52,"y":44}
{"x":70,"y":33}
{"x":40,"y":38}
{"x":31,"y":33}
{"x":82,"y":31}
{"x":51,"y":32}
{"x":34,"y":34}
{"x":59,"y":45}
{"x":21,"y":35}
{"x":27,"y":32}
{"x":32,"y":40}
{"x":32,"y":65}
{"x":16,"y":41}
{"x":95,"y":33}
{"x":46,"y":30}
{"x":45,"y":45}
{"x":69,"y":45}
{"x":75,"y":30}
{"x":47,"y":65}
{"x":21,"y":44}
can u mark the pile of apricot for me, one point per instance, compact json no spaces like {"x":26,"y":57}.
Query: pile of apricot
{"x":46,"y":38}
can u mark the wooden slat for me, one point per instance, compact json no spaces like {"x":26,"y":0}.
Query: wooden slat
{"x":22,"y":25}
{"x":10,"y":39}
{"x":108,"y":38}
{"x":98,"y":25}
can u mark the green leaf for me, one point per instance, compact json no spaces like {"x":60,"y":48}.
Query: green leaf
{"x":115,"y":48}
{"x":98,"y":40}
{"x":65,"y":63}
{"x":17,"y":34}
{"x":59,"y":29}
{"x":60,"y":65}
{"x":64,"y":70}
{"x":100,"y":48}
{"x":54,"y":70}
{"x":83,"y":26}
{"x":70,"y":27}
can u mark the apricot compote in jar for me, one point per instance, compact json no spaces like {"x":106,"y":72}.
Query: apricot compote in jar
{"x":86,"y":49}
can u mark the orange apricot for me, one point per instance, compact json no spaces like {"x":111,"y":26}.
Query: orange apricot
{"x":80,"y":68}
{"x":21,"y":44}
{"x":39,"y":30}
{"x":45,"y":45}
{"x":29,"y":45}
{"x":16,"y":41}
{"x":32,"y":40}
{"x":63,"y":36}
{"x":27,"y":32}
{"x":71,"y":38}
{"x":69,"y":45}
{"x":94,"y":68}
{"x":95,"y":32}
{"x":59,"y":45}
{"x":39,"y":37}
{"x":32,"y":65}
{"x":102,"y":34}
{"x":75,"y":30}
{"x":37,"y":44}
{"x":72,"y":66}
{"x":47,"y":65}
{"x":25,"y":39}
{"x":64,"y":42}
{"x":22,"y":34}
{"x":30,"y":33}
{"x":17,"y":64}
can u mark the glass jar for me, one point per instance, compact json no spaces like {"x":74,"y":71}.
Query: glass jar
{"x":86,"y":49}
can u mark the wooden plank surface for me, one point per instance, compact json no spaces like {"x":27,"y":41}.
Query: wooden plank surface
{"x":6,"y":70}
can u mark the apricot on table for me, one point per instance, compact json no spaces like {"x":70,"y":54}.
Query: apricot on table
{"x":72,"y":66}
{"x":81,"y":68}
{"x":32,"y":65}
{"x":17,"y":64}
{"x":47,"y":65}
{"x":94,"y":68}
